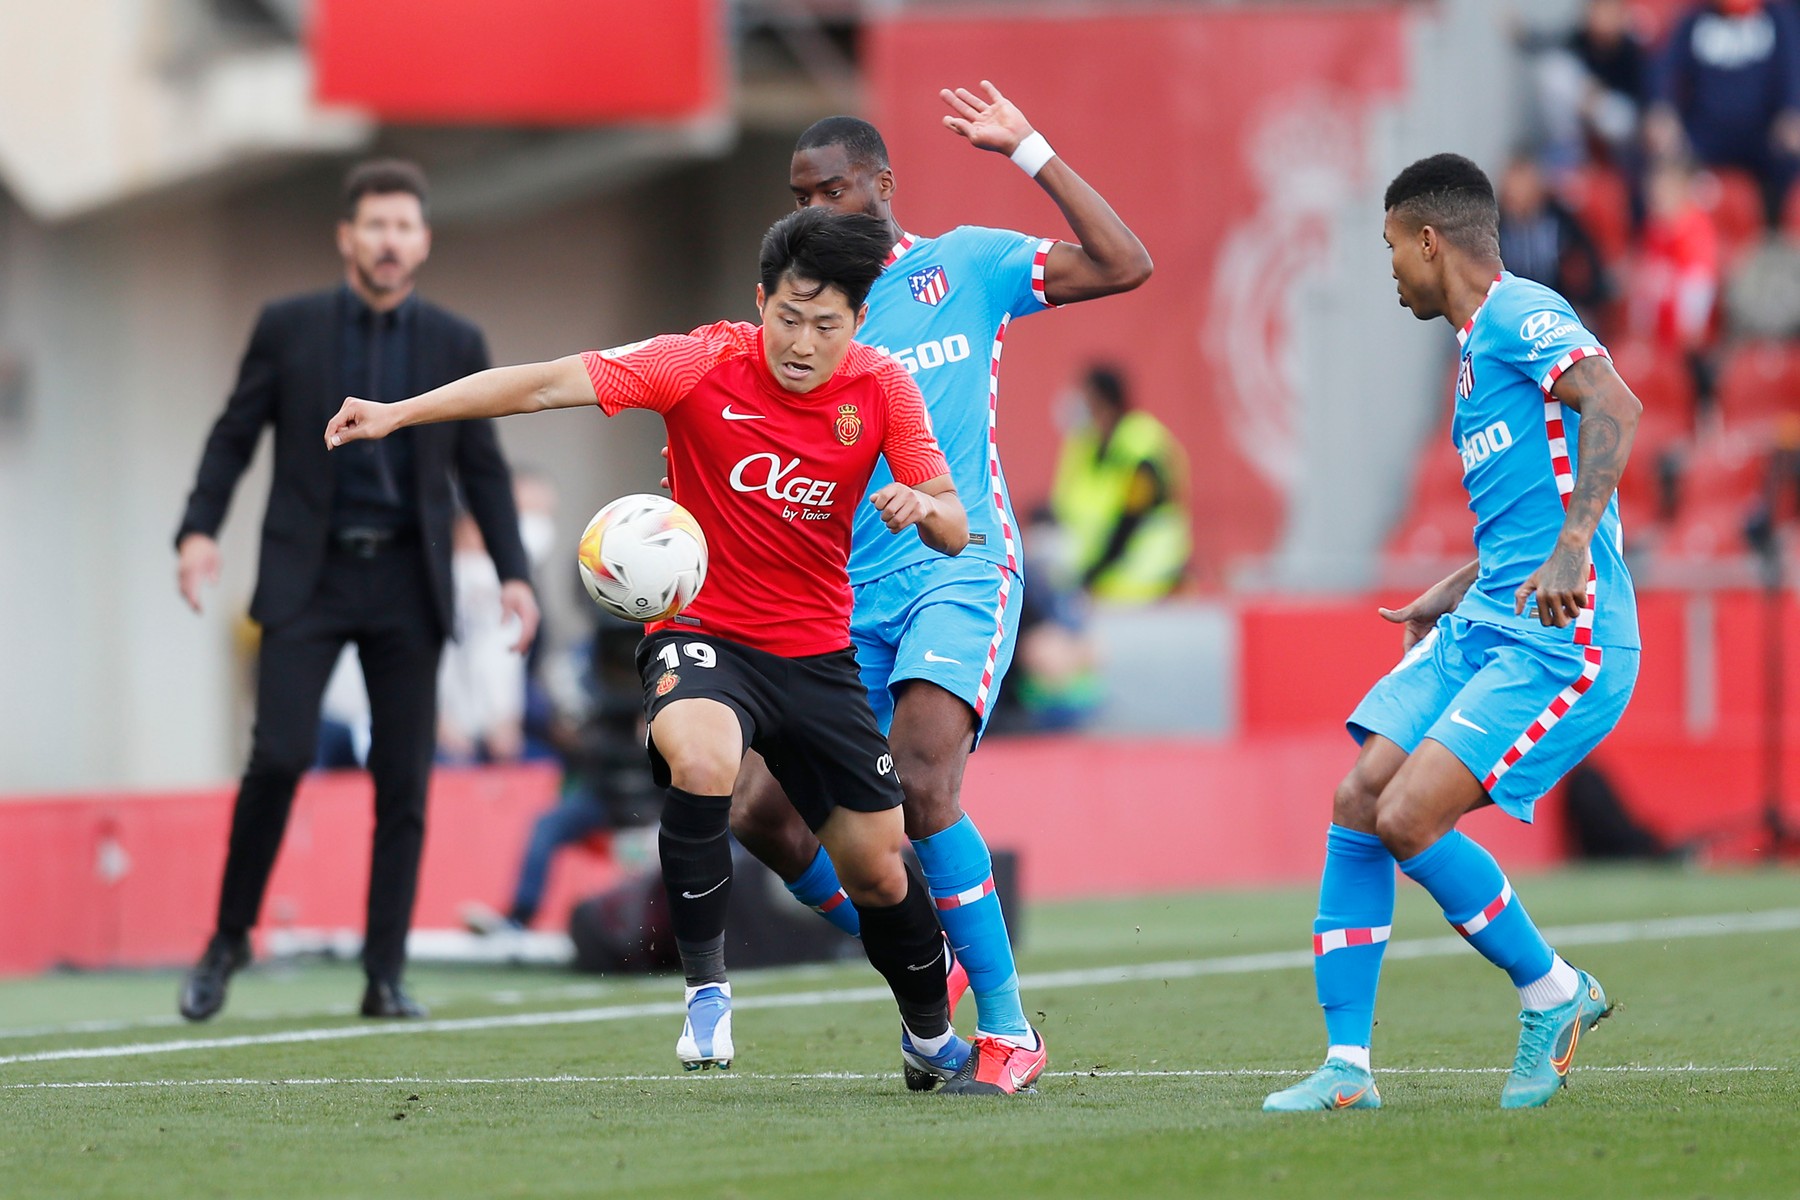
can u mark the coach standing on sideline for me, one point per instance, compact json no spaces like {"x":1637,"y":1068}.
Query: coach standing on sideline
{"x":355,"y":547}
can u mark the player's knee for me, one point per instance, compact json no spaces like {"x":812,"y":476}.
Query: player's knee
{"x":1401,"y":826}
{"x":873,"y":881}
{"x":865,"y":848}
{"x":706,"y":770}
{"x":932,"y":788}
{"x":1353,"y":804}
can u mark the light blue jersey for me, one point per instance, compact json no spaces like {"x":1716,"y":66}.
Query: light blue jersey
{"x":941,"y":308}
{"x":1520,"y":453}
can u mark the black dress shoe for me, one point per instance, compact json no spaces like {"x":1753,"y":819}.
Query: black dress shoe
{"x":203,"y":991}
{"x":386,"y":998}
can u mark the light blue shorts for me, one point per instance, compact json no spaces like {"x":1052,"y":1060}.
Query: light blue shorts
{"x":953,"y":621}
{"x":1519,"y":712}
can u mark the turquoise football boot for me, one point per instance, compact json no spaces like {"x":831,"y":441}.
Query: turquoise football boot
{"x":1335,"y":1085}
{"x":1547,"y":1042}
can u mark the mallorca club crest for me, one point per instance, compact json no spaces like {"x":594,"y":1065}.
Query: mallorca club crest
{"x":848,"y":426}
{"x":929,"y":286}
{"x":667,"y":683}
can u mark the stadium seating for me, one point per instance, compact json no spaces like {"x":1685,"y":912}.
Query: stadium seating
{"x":1758,"y":382}
{"x":1735,"y":203}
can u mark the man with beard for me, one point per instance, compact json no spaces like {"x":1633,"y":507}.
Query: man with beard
{"x":355,"y":547}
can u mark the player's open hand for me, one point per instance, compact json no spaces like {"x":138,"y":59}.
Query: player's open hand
{"x":360,"y":421}
{"x":993,"y":123}
{"x":1560,"y":585}
{"x":902,"y":507}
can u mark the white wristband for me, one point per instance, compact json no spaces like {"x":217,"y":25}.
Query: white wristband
{"x":1032,"y":154}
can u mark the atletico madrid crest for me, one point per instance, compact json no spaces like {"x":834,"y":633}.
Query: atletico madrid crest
{"x":849,"y":425}
{"x":929,"y":286}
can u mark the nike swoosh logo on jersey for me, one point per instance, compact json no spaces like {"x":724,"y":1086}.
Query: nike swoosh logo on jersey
{"x":1456,"y":718}
{"x":933,"y":961}
{"x":933,"y":656}
{"x":738,"y":416}
{"x":709,"y":891}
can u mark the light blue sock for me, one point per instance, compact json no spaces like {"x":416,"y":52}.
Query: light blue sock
{"x":818,"y":888}
{"x":960,"y":873}
{"x":1479,"y":904}
{"x":1350,"y":934}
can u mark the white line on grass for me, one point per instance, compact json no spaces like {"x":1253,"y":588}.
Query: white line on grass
{"x":409,"y":1081}
{"x":1601,"y":934}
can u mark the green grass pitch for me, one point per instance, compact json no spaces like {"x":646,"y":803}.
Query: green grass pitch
{"x":1168,"y":1019}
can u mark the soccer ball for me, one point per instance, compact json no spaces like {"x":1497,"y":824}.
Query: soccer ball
{"x":642,"y":557}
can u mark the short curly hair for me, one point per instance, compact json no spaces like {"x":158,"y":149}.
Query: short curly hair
{"x":1452,"y":195}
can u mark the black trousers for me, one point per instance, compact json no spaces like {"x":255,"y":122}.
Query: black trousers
{"x":382,"y":604}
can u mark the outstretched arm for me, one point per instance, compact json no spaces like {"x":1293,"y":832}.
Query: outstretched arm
{"x":498,"y":392}
{"x":1109,"y":257}
{"x":1609,"y":419}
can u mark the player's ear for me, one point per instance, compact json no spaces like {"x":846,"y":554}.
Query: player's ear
{"x":1429,"y":243}
{"x":884,"y":184}
{"x":761,"y":300}
{"x":344,"y":241}
{"x":862,"y":314}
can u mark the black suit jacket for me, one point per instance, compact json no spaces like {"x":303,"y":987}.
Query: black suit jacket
{"x":289,"y":379}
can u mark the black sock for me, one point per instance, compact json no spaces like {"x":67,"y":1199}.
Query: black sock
{"x":905,"y":943}
{"x":696,"y":871}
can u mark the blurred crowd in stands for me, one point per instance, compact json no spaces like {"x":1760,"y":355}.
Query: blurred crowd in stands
{"x":1656,"y":192}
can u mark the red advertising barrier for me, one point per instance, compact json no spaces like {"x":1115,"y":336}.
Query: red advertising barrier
{"x":132,"y":879}
{"x":522,"y":62}
{"x":123,"y":879}
{"x":1225,"y":136}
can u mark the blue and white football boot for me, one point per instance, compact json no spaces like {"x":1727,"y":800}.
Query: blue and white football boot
{"x":706,"y":1034}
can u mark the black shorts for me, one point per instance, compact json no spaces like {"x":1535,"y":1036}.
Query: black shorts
{"x":808,"y":717}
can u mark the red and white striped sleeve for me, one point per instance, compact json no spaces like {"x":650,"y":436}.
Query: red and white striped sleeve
{"x":909,"y":445}
{"x":657,"y":372}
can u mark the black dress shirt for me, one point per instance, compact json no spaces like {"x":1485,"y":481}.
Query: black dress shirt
{"x":374,"y":480}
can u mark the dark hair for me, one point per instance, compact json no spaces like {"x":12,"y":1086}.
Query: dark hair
{"x":384,"y":177}
{"x":861,"y":141}
{"x":1107,"y":385}
{"x":827,"y":249}
{"x":1453,"y":196}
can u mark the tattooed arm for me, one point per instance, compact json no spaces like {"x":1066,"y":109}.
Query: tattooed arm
{"x":1609,"y":419}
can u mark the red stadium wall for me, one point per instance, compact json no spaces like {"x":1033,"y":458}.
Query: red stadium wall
{"x":1114,"y":93}
{"x":131,"y":879}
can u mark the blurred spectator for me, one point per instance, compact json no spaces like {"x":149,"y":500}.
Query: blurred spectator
{"x":1055,"y":680}
{"x":1729,"y":83}
{"x":1120,"y":496}
{"x":1677,"y":281}
{"x":1591,"y":86}
{"x":491,"y":707}
{"x":1540,"y":239}
{"x":344,"y":728}
{"x":606,"y":784}
{"x":481,"y":678}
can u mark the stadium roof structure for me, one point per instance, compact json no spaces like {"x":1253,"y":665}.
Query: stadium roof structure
{"x":106,"y":103}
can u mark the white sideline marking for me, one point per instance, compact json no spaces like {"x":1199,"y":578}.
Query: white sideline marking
{"x":1600,"y":934}
{"x":815,"y":1076}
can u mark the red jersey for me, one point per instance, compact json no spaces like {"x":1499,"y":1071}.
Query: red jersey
{"x":772,"y":476}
